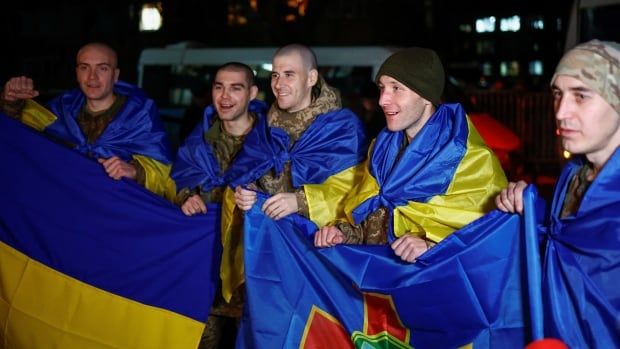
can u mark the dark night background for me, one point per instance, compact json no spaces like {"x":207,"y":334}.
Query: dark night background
{"x":488,"y":72}
{"x":41,"y":38}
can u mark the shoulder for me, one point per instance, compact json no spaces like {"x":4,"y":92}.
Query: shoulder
{"x":344,"y":115}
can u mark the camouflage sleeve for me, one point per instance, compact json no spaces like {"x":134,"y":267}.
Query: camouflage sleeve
{"x":13,"y":109}
{"x":373,"y":230}
{"x":183,"y":195}
{"x":302,"y":202}
{"x":140,"y":174}
{"x":353,"y":233}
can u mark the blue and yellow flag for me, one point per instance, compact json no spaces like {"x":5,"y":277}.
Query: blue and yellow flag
{"x":196,"y":164}
{"x":325,"y":161}
{"x":470,"y":288}
{"x":445,"y":178}
{"x":90,"y":262}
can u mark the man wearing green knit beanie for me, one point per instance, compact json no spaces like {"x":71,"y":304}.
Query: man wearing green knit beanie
{"x":428,"y":174}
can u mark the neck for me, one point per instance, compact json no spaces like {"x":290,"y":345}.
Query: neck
{"x":97,"y":105}
{"x":600,"y":157}
{"x":238,"y":127}
{"x":598,"y":161}
{"x":412,"y":131}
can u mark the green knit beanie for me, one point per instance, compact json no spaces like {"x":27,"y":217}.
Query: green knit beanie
{"x":417,"y":68}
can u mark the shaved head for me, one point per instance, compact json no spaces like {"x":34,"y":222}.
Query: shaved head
{"x":307,"y":55}
{"x":103,"y":49}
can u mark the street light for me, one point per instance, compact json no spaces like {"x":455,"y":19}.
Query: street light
{"x":150,"y":17}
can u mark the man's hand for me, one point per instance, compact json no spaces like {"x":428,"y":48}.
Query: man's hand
{"x":510,"y":199}
{"x":244,"y":198}
{"x":193,"y":205}
{"x":17,"y":88}
{"x":280,"y":205}
{"x":328,"y":236}
{"x":117,"y":168}
{"x":409,"y":247}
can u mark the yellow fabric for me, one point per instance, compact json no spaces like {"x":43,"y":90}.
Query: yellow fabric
{"x":157,"y":177}
{"x":477,"y":180}
{"x":366,"y":188}
{"x":36,"y":115}
{"x":326,"y":200}
{"x":42,"y":308}
{"x":231,"y":267}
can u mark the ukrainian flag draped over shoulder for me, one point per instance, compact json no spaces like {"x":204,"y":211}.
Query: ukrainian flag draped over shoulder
{"x":90,"y":262}
{"x":325,"y":160}
{"x":445,"y":178}
{"x":135,"y":132}
{"x":581,"y":296}
{"x":196,"y":164}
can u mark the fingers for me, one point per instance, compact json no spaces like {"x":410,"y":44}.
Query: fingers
{"x":20,"y":87}
{"x":328,"y":236}
{"x":193,"y":205}
{"x":117,"y":168}
{"x":510,"y":199}
{"x":503,"y":202}
{"x":409,"y":247}
{"x":518,"y":195}
{"x":244,"y":198}
{"x":280,"y":205}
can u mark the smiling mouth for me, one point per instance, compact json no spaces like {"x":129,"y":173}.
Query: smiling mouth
{"x":226,"y":106}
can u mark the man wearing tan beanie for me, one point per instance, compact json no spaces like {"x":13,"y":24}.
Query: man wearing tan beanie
{"x":582,"y":255}
{"x":428,"y":174}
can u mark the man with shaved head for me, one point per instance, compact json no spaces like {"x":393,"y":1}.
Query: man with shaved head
{"x":306,"y":156}
{"x":105,"y":118}
{"x":302,"y":99}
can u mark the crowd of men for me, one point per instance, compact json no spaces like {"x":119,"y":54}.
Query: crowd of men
{"x":425,"y":175}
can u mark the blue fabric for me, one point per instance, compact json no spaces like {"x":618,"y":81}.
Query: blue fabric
{"x":471,"y":287}
{"x":425,"y":168}
{"x":582,"y":262}
{"x":334,"y":142}
{"x":61,"y":209}
{"x":195,"y":164}
{"x":136,"y":129}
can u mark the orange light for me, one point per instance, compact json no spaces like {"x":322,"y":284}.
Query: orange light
{"x":566,"y":154}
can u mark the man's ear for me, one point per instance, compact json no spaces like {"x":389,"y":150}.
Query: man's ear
{"x":313,"y":77}
{"x":117,"y":72}
{"x":253,"y":92}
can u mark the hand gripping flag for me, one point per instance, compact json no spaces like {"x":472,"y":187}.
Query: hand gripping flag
{"x":469,"y":288}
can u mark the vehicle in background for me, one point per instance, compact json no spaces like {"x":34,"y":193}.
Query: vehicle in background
{"x":170,"y":74}
{"x":593,"y":19}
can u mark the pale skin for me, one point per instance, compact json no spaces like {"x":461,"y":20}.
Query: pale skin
{"x":291,"y":82}
{"x":96,"y":72}
{"x":587,"y":125}
{"x":231,"y":94}
{"x":406,"y":111}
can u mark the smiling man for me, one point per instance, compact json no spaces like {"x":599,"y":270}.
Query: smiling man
{"x":306,"y":156}
{"x":310,"y":121}
{"x":429,"y":173}
{"x":105,"y":118}
{"x":200,"y":169}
